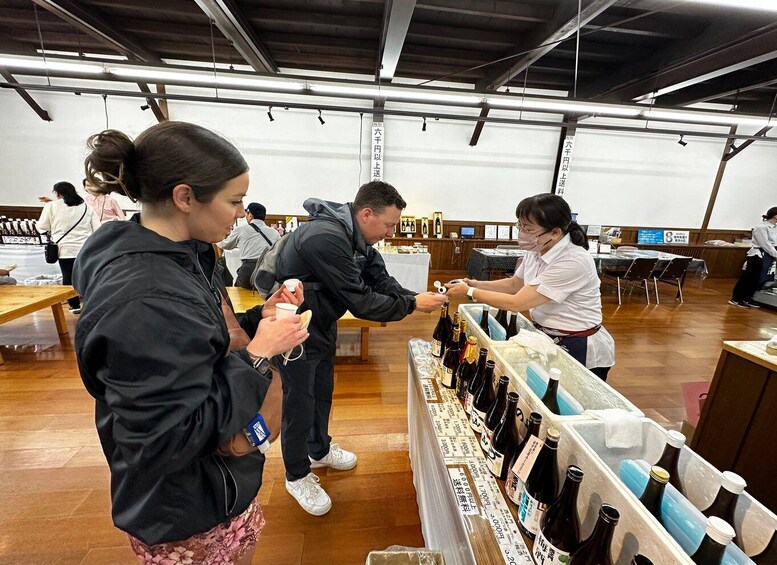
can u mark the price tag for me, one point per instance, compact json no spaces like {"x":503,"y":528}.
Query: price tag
{"x":525,"y":461}
{"x":431,"y":392}
{"x":465,"y":497}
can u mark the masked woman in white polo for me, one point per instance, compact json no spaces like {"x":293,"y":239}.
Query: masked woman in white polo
{"x":557,"y":283}
{"x":71,"y":221}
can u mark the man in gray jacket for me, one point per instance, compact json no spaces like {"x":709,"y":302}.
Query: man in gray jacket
{"x":251,"y":238}
{"x":332,"y":254}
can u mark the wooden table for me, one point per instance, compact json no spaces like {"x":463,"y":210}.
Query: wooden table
{"x":18,"y":301}
{"x":736,"y":427}
{"x":244,"y":299}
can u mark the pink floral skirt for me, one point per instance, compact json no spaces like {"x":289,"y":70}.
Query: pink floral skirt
{"x":222,"y":545}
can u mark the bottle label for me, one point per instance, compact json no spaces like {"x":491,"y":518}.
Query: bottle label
{"x":468,"y":403}
{"x":485,"y":439}
{"x":436,"y":348}
{"x":447,"y":377}
{"x":545,"y":553}
{"x":514,"y":487}
{"x":495,"y":461}
{"x":530,"y":512}
{"x":476,"y":420}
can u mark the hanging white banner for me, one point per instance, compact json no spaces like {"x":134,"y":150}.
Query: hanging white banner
{"x":377,"y":151}
{"x":564,"y":165}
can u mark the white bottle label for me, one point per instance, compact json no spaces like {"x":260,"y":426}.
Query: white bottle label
{"x":514,"y":487}
{"x":547,"y":554}
{"x":530,"y":512}
{"x":485,"y":439}
{"x":495,"y":461}
{"x":476,"y":420}
{"x":468,"y":403}
{"x":447,"y":377}
{"x":436,"y":348}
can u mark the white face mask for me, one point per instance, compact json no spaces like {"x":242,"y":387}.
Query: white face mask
{"x":529,"y":242}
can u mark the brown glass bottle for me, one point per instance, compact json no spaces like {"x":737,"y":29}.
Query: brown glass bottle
{"x":456,"y":323}
{"x":550,"y":398}
{"x":725,"y":502}
{"x":477,"y":380}
{"x":513,"y":484}
{"x":670,"y":458}
{"x":484,"y":397}
{"x":653,"y":495}
{"x":559,"y":534}
{"x":501,"y":318}
{"x":512,"y":326}
{"x":462,"y":340}
{"x":450,"y":362}
{"x":494,"y":413}
{"x":467,"y":368}
{"x":597,"y":548}
{"x":716,"y":537}
{"x":541,"y":487}
{"x":484,"y":321}
{"x":504,"y":442}
{"x":440,"y":335}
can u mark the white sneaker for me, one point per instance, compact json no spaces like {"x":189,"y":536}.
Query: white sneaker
{"x":337,"y":458}
{"x":310,"y":495}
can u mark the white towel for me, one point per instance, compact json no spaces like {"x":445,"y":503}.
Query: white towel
{"x":622,"y":429}
{"x":536,"y":342}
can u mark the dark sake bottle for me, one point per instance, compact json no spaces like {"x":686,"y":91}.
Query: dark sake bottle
{"x":541,"y":487}
{"x":455,"y":324}
{"x":550,"y":398}
{"x":462,"y":340}
{"x":512,"y":327}
{"x":440,"y":335}
{"x":559,"y":534}
{"x":716,"y":537}
{"x":501,"y":318}
{"x":769,"y":555}
{"x":513,"y":483}
{"x":450,"y":362}
{"x":640,"y":560}
{"x":484,"y":321}
{"x":483,"y":399}
{"x":670,"y":458}
{"x":467,"y":368}
{"x":504,"y":441}
{"x":476,"y":381}
{"x":494,"y":413}
{"x":653,"y":494}
{"x":597,"y":548}
{"x":726,"y":500}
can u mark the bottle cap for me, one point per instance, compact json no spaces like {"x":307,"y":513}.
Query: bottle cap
{"x":504,"y":379}
{"x":609,"y":514}
{"x":513,"y":397}
{"x":675,"y":439}
{"x":536,"y":416}
{"x":484,"y":351}
{"x":720,"y":530}
{"x":555,"y":374}
{"x":472,"y":340}
{"x":659,"y":474}
{"x":553,"y":434}
{"x":490,"y":364}
{"x":733,"y":482}
{"x":575,"y":473}
{"x":640,"y":560}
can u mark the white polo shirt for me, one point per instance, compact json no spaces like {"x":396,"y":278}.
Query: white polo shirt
{"x":567,"y":275}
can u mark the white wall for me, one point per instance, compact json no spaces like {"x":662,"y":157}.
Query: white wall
{"x":616,"y":178}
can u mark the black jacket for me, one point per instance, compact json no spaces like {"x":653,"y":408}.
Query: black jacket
{"x":151,"y":343}
{"x":329,"y":249}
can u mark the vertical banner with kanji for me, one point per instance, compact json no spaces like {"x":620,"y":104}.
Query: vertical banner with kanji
{"x":566,"y":162}
{"x":377,"y":150}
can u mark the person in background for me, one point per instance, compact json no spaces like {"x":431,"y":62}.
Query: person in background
{"x":6,"y":278}
{"x":252,"y":239}
{"x":104,"y":205}
{"x":70,"y":221}
{"x":760,"y":259}
{"x":172,"y":381}
{"x":557,"y":283}
{"x":332,"y":255}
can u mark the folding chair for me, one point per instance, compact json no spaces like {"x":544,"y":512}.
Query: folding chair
{"x":673,"y":274}
{"x":640,"y":269}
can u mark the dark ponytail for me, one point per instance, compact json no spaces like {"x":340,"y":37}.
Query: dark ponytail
{"x":68,"y":193}
{"x":551,"y":211}
{"x":162,"y":157}
{"x":770,"y":213}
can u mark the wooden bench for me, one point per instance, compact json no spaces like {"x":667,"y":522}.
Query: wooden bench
{"x":18,"y":301}
{"x":244,"y":299}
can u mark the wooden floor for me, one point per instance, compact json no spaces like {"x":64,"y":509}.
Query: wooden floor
{"x":54,"y":497}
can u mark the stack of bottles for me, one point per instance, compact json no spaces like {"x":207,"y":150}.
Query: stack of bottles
{"x":19,"y":228}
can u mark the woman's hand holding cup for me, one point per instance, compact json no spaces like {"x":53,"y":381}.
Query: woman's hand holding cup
{"x":278,"y":334}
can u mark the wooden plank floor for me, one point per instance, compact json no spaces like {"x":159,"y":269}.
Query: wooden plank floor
{"x":54,"y":497}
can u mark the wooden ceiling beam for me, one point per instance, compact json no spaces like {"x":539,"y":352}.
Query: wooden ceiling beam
{"x":160,"y":114}
{"x":9,"y":78}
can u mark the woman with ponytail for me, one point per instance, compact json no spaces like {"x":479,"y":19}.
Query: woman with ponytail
{"x":557,"y":282}
{"x":760,"y":259}
{"x":174,"y":385}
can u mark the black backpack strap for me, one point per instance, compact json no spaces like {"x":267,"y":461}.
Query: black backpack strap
{"x":256,"y":228}
{"x":74,"y":225}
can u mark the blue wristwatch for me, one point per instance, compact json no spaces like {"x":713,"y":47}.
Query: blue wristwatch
{"x":258,"y":434}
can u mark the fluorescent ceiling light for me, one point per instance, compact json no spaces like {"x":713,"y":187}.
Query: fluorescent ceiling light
{"x":705,"y":117}
{"x":406,"y":95}
{"x":562,"y":106}
{"x":152,"y":75}
{"x":51,"y":52}
{"x":38,"y":64}
{"x":766,"y":5}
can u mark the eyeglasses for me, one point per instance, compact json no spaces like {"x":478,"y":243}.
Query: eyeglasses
{"x":523,"y":229}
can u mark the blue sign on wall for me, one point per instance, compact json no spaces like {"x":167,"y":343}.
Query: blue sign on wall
{"x":653,"y":237}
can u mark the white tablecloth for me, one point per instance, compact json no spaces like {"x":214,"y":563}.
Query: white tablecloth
{"x":410,"y":269}
{"x":29,"y":259}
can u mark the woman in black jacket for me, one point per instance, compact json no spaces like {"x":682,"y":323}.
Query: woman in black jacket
{"x":153,"y":347}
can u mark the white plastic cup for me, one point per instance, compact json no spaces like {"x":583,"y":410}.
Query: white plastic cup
{"x":291,"y":284}
{"x":285,"y":310}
